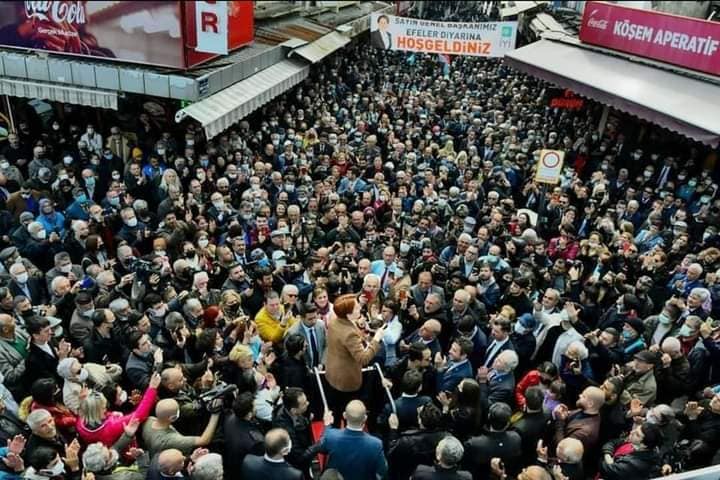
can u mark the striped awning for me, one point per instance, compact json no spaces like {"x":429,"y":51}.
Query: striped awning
{"x":315,"y":51}
{"x":223,"y":109}
{"x":90,"y":97}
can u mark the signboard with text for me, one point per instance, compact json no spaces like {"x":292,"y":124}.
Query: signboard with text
{"x":155,"y":33}
{"x":486,"y":39}
{"x":550,"y":166}
{"x":684,"y":41}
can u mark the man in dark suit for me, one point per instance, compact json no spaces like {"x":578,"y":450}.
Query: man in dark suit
{"x":427,"y":334}
{"x":500,"y":335}
{"x":352,"y":452}
{"x":533,"y":424}
{"x":406,"y":406}
{"x":448,"y":455}
{"x":498,"y":383}
{"x":450,"y":374}
{"x":242,"y":435}
{"x":313,"y":329}
{"x":494,"y":442}
{"x":381,"y":38}
{"x":43,"y":358}
{"x":273,"y":464}
{"x":23,"y":284}
{"x":293,"y":419}
{"x":424,"y":287}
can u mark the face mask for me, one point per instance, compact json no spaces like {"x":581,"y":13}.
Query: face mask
{"x":132,"y":222}
{"x":22,"y":278}
{"x":4,"y":165}
{"x":160,"y":312}
{"x":25,"y":195}
{"x":519,"y":329}
{"x":627,"y":336}
{"x":67,"y":160}
{"x":204,"y":162}
{"x":82,"y":198}
{"x":83,"y":375}
{"x":647,"y":174}
{"x":162,"y":253}
{"x":203,"y":242}
{"x":664,"y":319}
{"x":219,"y":204}
{"x":57,"y":470}
{"x":66,"y":268}
{"x":89,"y":313}
{"x":90,"y":181}
{"x":685,"y":331}
{"x":41,"y":235}
{"x":190,"y":254}
{"x":161,"y":151}
{"x":116,"y":177}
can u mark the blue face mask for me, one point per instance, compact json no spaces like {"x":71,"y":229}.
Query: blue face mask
{"x":264,"y":263}
{"x":204,"y":163}
{"x":81,"y":198}
{"x":627,"y":336}
{"x":90,"y":181}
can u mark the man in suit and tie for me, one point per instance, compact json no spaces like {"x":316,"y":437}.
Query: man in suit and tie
{"x":427,"y":334}
{"x":272,"y":464}
{"x":381,"y":38}
{"x":424,"y":287}
{"x":313,"y":329}
{"x":352,"y":452}
{"x":407,"y":405}
{"x":497,"y":384}
{"x":450,"y":374}
{"x":500,"y":331}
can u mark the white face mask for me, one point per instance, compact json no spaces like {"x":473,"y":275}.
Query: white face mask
{"x":41,"y":235}
{"x":203,"y":242}
{"x":57,"y":470}
{"x":219,"y":204}
{"x":22,"y":278}
{"x":162,"y":253}
{"x":132,"y":222}
{"x":66,"y":268}
{"x":123,"y":397}
{"x":83,"y":375}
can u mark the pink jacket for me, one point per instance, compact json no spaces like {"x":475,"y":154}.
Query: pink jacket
{"x":112,"y":428}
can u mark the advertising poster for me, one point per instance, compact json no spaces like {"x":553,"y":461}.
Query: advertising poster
{"x":485,"y":39}
{"x":152,"y":32}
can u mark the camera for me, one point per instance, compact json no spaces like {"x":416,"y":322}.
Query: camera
{"x":221,"y":390}
{"x":143,"y":268}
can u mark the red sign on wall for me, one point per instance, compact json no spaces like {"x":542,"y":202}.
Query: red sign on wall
{"x":683,"y":41}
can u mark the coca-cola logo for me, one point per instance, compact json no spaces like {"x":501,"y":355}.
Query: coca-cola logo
{"x":58,"y":12}
{"x":595,"y":23}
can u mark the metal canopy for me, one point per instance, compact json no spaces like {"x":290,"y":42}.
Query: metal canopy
{"x":322,"y":47}
{"x":677,"y":102}
{"x":90,"y":97}
{"x":227,"y":107}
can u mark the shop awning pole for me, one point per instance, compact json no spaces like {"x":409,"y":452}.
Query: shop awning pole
{"x":10,"y":113}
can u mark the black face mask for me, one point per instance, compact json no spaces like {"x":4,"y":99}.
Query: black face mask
{"x":190,"y":254}
{"x":27,"y":313}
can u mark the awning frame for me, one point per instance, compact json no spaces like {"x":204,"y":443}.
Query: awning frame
{"x":223,"y":109}
{"x":90,"y":97}
{"x":534,"y":60}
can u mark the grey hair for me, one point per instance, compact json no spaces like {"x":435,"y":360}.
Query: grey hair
{"x":174,"y":320}
{"x":208,"y":467}
{"x":580,"y":348}
{"x":55,"y":283}
{"x":94,"y":457}
{"x":118,"y":305}
{"x":703,"y":293}
{"x":139,"y":204}
{"x":34,"y":227}
{"x":287,"y":288}
{"x":37,"y":417}
{"x":572,"y":450}
{"x":510,"y":360}
{"x":450,"y":451}
{"x":190,"y":304}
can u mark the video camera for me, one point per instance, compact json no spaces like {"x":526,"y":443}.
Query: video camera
{"x":221,"y":390}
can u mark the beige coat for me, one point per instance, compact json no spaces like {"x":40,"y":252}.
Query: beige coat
{"x":346,"y":355}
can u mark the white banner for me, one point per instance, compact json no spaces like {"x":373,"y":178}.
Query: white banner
{"x":486,"y":39}
{"x":211,"y":25}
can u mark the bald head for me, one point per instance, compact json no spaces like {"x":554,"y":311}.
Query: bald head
{"x":355,"y":414}
{"x":591,"y":400}
{"x":277,"y":443}
{"x":534,"y":472}
{"x":671,"y":346}
{"x":171,"y":462}
{"x":166,"y":409}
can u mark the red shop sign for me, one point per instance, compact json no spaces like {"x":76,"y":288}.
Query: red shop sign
{"x":683,"y":41}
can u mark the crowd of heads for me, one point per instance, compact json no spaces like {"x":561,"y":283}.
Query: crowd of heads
{"x":146,"y":266}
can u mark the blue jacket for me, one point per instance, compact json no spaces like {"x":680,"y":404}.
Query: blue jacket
{"x":450,"y":377}
{"x":356,"y":455}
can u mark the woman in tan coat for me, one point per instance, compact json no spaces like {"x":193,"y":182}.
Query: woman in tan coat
{"x":347,"y":353}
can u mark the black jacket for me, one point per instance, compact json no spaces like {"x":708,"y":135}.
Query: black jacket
{"x":638,"y":465}
{"x":242,"y":438}
{"x":410,"y":449}
{"x":300,"y":433}
{"x":258,"y":467}
{"x":425,"y":472}
{"x":39,"y":364}
{"x":99,"y":349}
{"x":531,"y":428}
{"x":481,"y":449}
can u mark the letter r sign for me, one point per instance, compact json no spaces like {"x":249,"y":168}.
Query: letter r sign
{"x":211,"y":25}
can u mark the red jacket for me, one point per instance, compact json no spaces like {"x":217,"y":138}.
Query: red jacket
{"x":570,"y":252}
{"x":112,"y":428}
{"x":530,"y":379}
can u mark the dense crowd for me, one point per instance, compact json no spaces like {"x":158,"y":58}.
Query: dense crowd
{"x":165,"y":296}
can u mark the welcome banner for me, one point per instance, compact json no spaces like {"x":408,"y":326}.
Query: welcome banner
{"x":486,"y":39}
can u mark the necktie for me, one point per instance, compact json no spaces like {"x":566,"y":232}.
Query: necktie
{"x":384,"y":277}
{"x":491,"y":353}
{"x":314,"y":349}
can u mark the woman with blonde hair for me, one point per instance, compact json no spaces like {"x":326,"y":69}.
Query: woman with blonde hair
{"x":96,"y":424}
